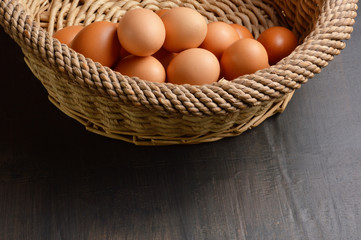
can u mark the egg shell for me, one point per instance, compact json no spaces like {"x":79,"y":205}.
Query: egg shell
{"x":185,"y":28}
{"x":161,"y":12}
{"x":141,"y":32}
{"x":245,"y":56}
{"x":279,"y":43}
{"x":194,"y":66}
{"x":123,"y":53}
{"x":67,"y":34}
{"x":242,"y":31}
{"x":99,"y":42}
{"x":146,"y":68}
{"x":220,"y":36}
{"x":164,"y":56}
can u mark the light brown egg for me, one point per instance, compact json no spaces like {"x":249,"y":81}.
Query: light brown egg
{"x":67,"y":34}
{"x":244,"y":56}
{"x":99,"y":42}
{"x":194,"y":66}
{"x":185,"y":28}
{"x":141,"y":32}
{"x":146,"y":68}
{"x":220,"y":35}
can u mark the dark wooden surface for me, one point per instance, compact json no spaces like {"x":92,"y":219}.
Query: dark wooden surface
{"x":296,"y":176}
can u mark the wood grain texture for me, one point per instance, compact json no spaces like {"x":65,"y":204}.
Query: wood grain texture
{"x":296,"y":176}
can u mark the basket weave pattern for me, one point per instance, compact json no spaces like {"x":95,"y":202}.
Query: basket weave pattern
{"x":146,"y":113}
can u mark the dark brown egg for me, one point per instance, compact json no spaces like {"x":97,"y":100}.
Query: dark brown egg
{"x":279,"y":43}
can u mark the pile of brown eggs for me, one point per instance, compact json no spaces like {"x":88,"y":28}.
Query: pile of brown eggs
{"x":177,"y":46}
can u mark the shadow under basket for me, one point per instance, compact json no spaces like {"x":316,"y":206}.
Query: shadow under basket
{"x":145,"y":113}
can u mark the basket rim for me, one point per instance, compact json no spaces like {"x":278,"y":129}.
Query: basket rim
{"x":222,"y":97}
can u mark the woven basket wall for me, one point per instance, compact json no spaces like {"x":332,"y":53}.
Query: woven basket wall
{"x":146,"y":113}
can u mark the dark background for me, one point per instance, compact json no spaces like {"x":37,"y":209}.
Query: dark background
{"x":296,"y":176}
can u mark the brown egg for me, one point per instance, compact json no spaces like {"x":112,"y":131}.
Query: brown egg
{"x":220,"y":36}
{"x":123,"y":53}
{"x":242,"y":31}
{"x":146,"y":68}
{"x":164,"y":57}
{"x":279,"y":43}
{"x":99,"y":42}
{"x":161,"y":12}
{"x":67,"y":34}
{"x":185,"y":28}
{"x":194,"y":66}
{"x":141,"y":32}
{"x":244,"y":56}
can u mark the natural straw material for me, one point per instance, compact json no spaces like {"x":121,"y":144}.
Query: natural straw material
{"x":146,"y":113}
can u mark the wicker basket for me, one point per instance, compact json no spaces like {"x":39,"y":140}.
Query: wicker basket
{"x":146,"y":113}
